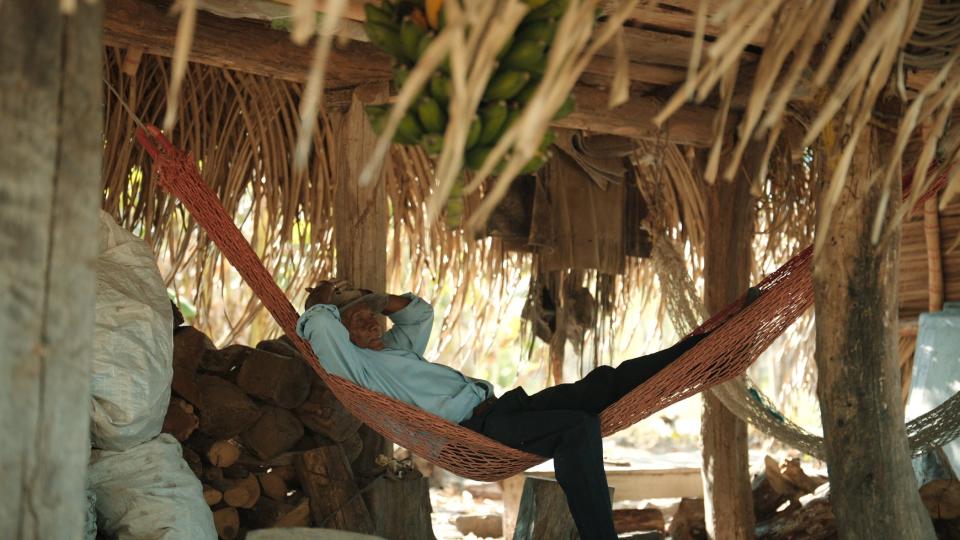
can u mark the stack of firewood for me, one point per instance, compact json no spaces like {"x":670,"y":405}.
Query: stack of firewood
{"x":269,"y":441}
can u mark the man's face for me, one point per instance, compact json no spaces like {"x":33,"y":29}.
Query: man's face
{"x":364,"y":327}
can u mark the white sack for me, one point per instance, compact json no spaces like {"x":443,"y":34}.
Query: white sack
{"x":149,"y":493}
{"x":133,"y":343}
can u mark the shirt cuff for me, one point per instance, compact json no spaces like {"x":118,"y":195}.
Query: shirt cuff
{"x":413,"y":312}
{"x":316,"y":310}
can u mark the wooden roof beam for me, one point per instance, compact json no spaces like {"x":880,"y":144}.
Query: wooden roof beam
{"x":253,"y":47}
{"x":691,"y":125}
{"x":681,"y":16}
{"x":240,"y":44}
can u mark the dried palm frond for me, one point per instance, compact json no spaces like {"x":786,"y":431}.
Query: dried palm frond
{"x":241,"y":129}
{"x":863,"y":46}
{"x":181,"y":51}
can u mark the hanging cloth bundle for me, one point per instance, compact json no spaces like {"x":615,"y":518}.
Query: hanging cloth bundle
{"x":740,"y":335}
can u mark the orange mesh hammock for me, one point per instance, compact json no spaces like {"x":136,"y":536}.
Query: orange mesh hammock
{"x":740,"y":336}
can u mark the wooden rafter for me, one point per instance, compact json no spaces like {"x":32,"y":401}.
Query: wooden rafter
{"x":253,"y":47}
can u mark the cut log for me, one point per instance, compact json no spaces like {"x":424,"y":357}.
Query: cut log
{"x":189,"y":346}
{"x":273,"y":485}
{"x":193,"y":461}
{"x":298,"y":517}
{"x":648,"y":535}
{"x":286,"y":459}
{"x":180,"y":420}
{"x":688,"y":522}
{"x":323,"y":414}
{"x":307,"y":442}
{"x":401,"y":509}
{"x":265,"y":514}
{"x":225,"y":409}
{"x":243,"y":493}
{"x":770,"y":490}
{"x":212,"y":495}
{"x":486,"y":490}
{"x":489,"y":526}
{"x":813,"y":521}
{"x":221,"y":361}
{"x":327,"y":479}
{"x":276,"y":431}
{"x":352,"y":446}
{"x":227,"y":522}
{"x":947,"y":529}
{"x":223,"y":453}
{"x":638,"y":519}
{"x":802,"y":483}
{"x":942,"y":499}
{"x":280,"y":380}
{"x":282,"y":346}
{"x":544,"y":513}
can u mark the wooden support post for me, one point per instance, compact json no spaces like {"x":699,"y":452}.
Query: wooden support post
{"x":544,"y":513}
{"x":360,"y":224}
{"x":872,"y":486}
{"x":728,"y":256}
{"x":931,"y":233}
{"x":50,"y":166}
{"x":400,"y":508}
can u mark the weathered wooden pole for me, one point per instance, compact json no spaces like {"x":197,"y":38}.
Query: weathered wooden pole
{"x":728,"y":256}
{"x":872,"y":487}
{"x":50,"y":155}
{"x":360,"y":223}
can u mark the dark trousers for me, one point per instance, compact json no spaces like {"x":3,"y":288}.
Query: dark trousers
{"x":561,"y":422}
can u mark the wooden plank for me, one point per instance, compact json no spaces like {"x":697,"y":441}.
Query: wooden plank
{"x":634,"y":483}
{"x":638,"y":72}
{"x":240,"y":44}
{"x":690,"y":125}
{"x":680,"y":15}
{"x":652,"y":47}
{"x":50,"y":166}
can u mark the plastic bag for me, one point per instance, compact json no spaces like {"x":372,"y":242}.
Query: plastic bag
{"x":936,"y":369}
{"x":133,"y":342}
{"x":149,"y":493}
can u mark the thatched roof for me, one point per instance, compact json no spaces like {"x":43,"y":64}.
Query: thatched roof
{"x":738,"y":71}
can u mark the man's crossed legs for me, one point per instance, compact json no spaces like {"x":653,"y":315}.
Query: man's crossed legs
{"x":561,"y":422}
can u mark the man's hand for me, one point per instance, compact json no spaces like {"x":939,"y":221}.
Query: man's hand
{"x":320,"y":294}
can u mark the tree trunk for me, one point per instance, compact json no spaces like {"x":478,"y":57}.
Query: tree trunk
{"x":872,"y":486}
{"x":728,"y":256}
{"x":360,"y":222}
{"x":400,"y":508}
{"x":335,"y":501}
{"x":50,"y":167}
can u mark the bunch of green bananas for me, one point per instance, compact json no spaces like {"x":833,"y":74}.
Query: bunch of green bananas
{"x":405,"y":28}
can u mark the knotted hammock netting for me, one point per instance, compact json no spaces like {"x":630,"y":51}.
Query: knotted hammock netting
{"x":739,"y":336}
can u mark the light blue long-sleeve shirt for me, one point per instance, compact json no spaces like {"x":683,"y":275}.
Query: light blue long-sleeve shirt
{"x":399,"y":370}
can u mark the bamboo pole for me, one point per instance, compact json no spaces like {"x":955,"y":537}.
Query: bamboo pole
{"x":931,"y":231}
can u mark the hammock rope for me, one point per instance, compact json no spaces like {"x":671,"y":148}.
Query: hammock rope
{"x":741,"y":335}
{"x":742,"y":396}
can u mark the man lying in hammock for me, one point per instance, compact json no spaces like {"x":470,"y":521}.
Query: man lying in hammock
{"x":341,"y":323}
